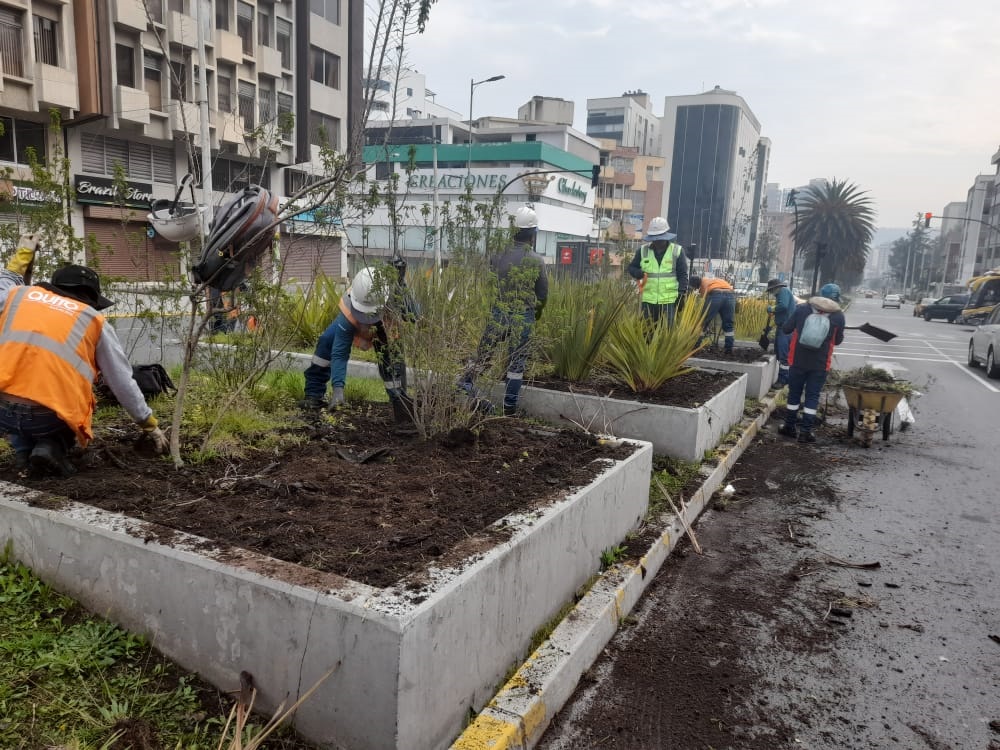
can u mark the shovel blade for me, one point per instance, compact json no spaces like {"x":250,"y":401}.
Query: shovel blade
{"x":880,"y":333}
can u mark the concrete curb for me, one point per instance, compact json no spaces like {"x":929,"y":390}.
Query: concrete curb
{"x":519,"y":713}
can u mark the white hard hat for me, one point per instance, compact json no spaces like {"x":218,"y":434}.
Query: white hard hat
{"x":366,"y":297}
{"x":659,"y":229}
{"x":525,"y":218}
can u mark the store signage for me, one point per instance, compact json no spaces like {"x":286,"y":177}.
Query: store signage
{"x":571,"y":188}
{"x":565,"y":255}
{"x":102,"y":191}
{"x":17,"y":192}
{"x":596,"y":256}
{"x":478,"y":180}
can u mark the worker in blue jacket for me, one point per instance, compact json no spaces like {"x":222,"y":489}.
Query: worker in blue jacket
{"x":784,"y":304}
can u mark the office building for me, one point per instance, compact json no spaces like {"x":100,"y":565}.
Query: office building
{"x":628,"y":120}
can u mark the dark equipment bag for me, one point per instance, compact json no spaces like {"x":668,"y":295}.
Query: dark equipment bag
{"x":151,"y":379}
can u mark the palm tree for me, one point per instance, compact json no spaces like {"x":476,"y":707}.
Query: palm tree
{"x":836,"y":219}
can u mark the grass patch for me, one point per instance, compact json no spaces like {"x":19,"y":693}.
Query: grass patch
{"x":69,"y":679}
{"x":675,"y":476}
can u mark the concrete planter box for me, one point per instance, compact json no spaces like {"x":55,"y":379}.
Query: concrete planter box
{"x":412,"y":660}
{"x":760,"y":375}
{"x":673,"y":430}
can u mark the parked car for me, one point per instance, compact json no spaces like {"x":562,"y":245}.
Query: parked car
{"x":946,"y":307}
{"x":984,"y":346}
{"x":892,"y":300}
{"x":918,"y":308}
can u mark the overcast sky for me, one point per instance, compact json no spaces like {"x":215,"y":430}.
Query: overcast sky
{"x":901,"y":97}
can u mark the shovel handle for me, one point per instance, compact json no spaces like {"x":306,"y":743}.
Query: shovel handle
{"x":180,"y":189}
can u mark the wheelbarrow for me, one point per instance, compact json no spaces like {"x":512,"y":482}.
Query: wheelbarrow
{"x":868,"y":411}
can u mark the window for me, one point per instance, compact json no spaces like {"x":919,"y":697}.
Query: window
{"x":233,"y":176}
{"x":284,"y":42}
{"x":155,"y":8}
{"x":18,"y":137}
{"x":152,"y":65}
{"x":328,"y":9}
{"x":178,"y":81}
{"x":225,"y":89}
{"x":11,"y":46}
{"x":247,"y":97}
{"x":324,"y":130}
{"x":101,"y":154}
{"x":46,"y":40}
{"x":266,"y":100}
{"x":125,"y":65}
{"x":325,"y":67}
{"x":265,"y":14}
{"x":409,"y":91}
{"x":222,"y":15}
{"x":380,"y":106}
{"x":244,"y":26}
{"x":285,"y":104}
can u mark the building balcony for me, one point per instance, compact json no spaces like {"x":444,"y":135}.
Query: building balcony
{"x":189,"y":122}
{"x":228,"y":47}
{"x":182,"y":29}
{"x":614,"y":205}
{"x":56,"y":87}
{"x":129,"y":13}
{"x":132,"y":105}
{"x":268,"y":61}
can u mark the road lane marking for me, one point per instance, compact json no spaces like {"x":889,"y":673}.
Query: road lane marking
{"x":968,"y":371}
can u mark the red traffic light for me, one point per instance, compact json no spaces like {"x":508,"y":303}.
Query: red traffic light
{"x":927,"y":218}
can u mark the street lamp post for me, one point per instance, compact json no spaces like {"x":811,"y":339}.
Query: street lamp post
{"x":793,"y":200}
{"x":472,"y":89}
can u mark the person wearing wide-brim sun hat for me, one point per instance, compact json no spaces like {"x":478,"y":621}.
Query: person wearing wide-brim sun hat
{"x":784,"y":304}
{"x":662,"y":271}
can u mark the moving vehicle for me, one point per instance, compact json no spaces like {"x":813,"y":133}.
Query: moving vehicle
{"x":892,"y":300}
{"x":869,"y":294}
{"x":948,"y":308}
{"x":984,"y":293}
{"x":984,"y":346}
{"x":918,"y":308}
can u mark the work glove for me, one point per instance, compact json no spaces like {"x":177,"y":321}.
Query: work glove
{"x":153,"y":433}
{"x":770,"y":309}
{"x":24,"y":257}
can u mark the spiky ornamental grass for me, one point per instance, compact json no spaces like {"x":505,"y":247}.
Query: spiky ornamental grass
{"x":751,"y":317}
{"x":644,"y":355}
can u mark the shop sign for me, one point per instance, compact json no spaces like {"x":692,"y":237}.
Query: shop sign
{"x":571,"y":188}
{"x":596,"y":256}
{"x":18,"y":192}
{"x":101,"y":191}
{"x":565,"y":255}
{"x":479,"y":181}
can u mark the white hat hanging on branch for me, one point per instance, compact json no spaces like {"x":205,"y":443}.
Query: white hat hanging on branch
{"x":173,"y":220}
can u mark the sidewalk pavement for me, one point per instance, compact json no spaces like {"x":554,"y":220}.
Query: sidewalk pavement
{"x":520,"y":712}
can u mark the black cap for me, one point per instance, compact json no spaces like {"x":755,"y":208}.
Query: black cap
{"x":83,"y":283}
{"x":774,"y":284}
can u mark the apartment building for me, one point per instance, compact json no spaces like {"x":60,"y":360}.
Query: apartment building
{"x":278,"y":85}
{"x":402,"y":93}
{"x":628,"y":120}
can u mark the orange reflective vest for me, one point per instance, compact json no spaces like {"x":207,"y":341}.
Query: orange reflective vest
{"x":363,"y":334}
{"x":48,"y":348}
{"x":714,"y":285}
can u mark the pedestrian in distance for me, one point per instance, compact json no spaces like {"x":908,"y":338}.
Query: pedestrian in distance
{"x":54,"y":343}
{"x":720,"y":301}
{"x":661,"y":270}
{"x":784,"y":305}
{"x":367,"y":313}
{"x":522,"y":290}
{"x":816,"y":327}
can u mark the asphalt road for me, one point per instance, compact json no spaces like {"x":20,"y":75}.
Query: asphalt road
{"x":915,"y":667}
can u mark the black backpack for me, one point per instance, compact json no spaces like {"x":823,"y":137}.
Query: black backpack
{"x":151,"y":379}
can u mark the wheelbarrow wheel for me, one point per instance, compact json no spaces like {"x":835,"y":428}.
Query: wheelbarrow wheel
{"x":852,"y":420}
{"x":886,"y":425}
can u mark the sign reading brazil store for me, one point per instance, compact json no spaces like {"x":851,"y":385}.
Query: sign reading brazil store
{"x":101,"y":191}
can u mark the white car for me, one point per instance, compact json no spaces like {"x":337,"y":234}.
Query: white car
{"x":984,"y":346}
{"x":891,"y":300}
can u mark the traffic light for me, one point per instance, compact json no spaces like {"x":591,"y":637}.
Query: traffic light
{"x":927,"y":219}
{"x":595,"y":175}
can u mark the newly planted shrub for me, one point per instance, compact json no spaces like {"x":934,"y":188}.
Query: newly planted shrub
{"x":644,"y":356}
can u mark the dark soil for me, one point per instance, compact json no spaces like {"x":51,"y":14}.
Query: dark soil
{"x":740,"y":353}
{"x":420,"y":502}
{"x":694,"y":669}
{"x":688,"y":390}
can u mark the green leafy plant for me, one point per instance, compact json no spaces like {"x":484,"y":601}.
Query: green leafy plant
{"x":612,"y":555}
{"x":306,"y":312}
{"x":751,"y":317}
{"x":644,"y":356}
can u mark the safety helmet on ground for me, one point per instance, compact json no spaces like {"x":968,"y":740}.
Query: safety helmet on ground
{"x":830,"y":291}
{"x":366,"y":296}
{"x":525,"y":218}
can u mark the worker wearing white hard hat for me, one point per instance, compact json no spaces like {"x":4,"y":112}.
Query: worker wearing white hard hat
{"x":523,"y":289}
{"x":661,"y":269}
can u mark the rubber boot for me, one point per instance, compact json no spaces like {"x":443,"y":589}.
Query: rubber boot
{"x":49,"y":457}
{"x":806,"y":432}
{"x":402,"y":415}
{"x":337,"y":398}
{"x":788,"y":428}
{"x":21,"y":460}
{"x":312,"y":403}
{"x":728,"y":345}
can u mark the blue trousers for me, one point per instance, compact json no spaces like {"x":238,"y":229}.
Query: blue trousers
{"x":654,"y":313}
{"x":810,"y":381}
{"x":514,"y":331}
{"x":333,"y":350}
{"x":26,"y":424}
{"x":782,"y":342}
{"x":723,"y":304}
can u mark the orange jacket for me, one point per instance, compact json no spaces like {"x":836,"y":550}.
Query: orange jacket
{"x":48,"y":346}
{"x":714,"y":285}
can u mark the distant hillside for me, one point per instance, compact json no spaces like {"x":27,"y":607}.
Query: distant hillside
{"x":885,"y":235}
